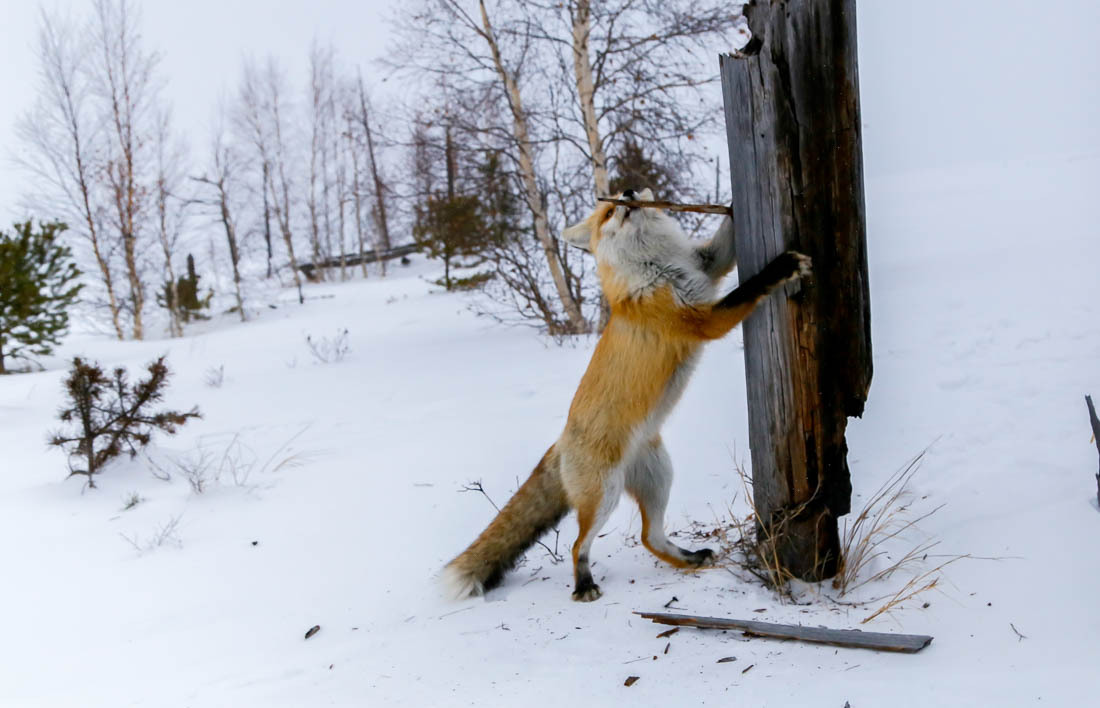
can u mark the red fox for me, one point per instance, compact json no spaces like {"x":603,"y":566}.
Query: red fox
{"x":662,"y":293}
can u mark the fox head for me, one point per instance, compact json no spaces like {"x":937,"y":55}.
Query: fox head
{"x":635,"y":247}
{"x":615,"y":224}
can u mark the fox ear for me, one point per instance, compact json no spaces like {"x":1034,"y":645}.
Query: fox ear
{"x":579,"y":235}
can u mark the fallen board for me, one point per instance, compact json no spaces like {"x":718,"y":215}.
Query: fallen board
{"x":852,"y":638}
{"x":671,"y":206}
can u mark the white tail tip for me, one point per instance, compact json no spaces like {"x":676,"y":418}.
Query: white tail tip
{"x":459,"y":585}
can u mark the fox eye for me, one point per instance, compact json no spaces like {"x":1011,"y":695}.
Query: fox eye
{"x":606,"y":216}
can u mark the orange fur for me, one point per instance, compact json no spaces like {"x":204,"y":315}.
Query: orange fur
{"x":652,"y":336}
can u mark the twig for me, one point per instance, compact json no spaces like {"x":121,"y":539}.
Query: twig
{"x":671,"y":206}
{"x":1022,"y":637}
{"x":1095,"y":423}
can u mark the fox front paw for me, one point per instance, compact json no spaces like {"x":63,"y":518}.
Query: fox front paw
{"x":797,"y":265}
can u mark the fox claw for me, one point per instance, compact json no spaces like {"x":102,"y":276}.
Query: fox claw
{"x":588,"y":594}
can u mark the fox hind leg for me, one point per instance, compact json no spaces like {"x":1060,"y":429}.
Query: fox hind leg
{"x":648,"y":480}
{"x":592,"y":513}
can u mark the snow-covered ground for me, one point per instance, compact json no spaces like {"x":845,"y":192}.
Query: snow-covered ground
{"x":985,"y":311}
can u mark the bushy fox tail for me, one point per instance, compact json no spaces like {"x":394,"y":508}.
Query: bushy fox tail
{"x":536,"y":506}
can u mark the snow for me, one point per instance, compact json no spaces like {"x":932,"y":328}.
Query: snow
{"x":982,"y":161}
{"x":984,"y":301}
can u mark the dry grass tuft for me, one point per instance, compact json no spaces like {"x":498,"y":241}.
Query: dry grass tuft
{"x":868,"y":544}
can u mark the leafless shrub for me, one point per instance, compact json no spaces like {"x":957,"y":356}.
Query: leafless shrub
{"x":195,"y":468}
{"x":164,"y":534}
{"x":131,"y":500}
{"x":214,"y":376}
{"x":328,"y":350}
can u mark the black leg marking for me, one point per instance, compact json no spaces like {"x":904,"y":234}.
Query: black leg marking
{"x":587,"y":590}
{"x":786,"y":266}
{"x":701,"y":557}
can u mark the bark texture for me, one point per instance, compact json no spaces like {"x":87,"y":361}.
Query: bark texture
{"x":793,"y":125}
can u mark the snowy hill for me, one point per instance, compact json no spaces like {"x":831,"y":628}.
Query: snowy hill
{"x":985,"y":311}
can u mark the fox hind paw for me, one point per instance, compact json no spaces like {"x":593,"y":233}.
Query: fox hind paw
{"x":587,"y":593}
{"x":701,"y":557}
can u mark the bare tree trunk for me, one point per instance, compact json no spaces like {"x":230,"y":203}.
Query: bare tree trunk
{"x":104,"y":267}
{"x":283,"y":208}
{"x":576,"y":321}
{"x":175,"y":326}
{"x":586,"y":91}
{"x":379,"y":187}
{"x":126,"y":74}
{"x":234,"y":250}
{"x":339,"y":159}
{"x":267,"y":215}
{"x":792,"y":119}
{"x":581,"y":14}
{"x":357,"y":200}
{"x":315,"y":148}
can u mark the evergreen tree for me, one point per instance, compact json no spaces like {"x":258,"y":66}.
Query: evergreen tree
{"x":108,"y":415}
{"x":456,"y":226}
{"x":184,"y":299}
{"x":451,"y":229}
{"x":37,"y":285}
{"x":634,"y":169}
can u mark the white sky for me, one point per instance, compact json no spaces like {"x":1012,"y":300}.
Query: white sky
{"x":202,"y":44}
{"x":971,"y":81}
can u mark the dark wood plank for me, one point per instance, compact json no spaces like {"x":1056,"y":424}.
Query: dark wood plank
{"x":850,"y":638}
{"x":371,"y":256}
{"x":793,"y":128}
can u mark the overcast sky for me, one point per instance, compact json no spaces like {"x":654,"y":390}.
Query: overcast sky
{"x":202,"y":43}
{"x":972,"y":81}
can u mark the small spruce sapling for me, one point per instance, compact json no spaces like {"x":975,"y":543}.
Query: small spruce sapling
{"x":109,"y":415}
{"x":37,"y":286}
{"x":184,"y":299}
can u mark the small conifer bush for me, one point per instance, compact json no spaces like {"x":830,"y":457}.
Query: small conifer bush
{"x":107,"y":415}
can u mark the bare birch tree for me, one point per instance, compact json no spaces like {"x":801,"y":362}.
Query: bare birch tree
{"x":218,"y":184}
{"x":381,"y":193}
{"x":92,"y":142}
{"x":263,"y":118}
{"x":61,"y":151}
{"x":484,"y":60}
{"x":320,"y":85}
{"x":639,"y":71}
{"x":125,"y":82}
{"x":170,"y":209}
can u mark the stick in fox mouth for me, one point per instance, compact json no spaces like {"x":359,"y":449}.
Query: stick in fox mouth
{"x":671,"y":206}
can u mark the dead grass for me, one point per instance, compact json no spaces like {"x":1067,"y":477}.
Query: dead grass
{"x":162,"y":535}
{"x":869,"y":543}
{"x":237,"y":463}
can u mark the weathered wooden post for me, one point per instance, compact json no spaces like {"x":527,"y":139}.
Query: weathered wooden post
{"x":792,"y":121}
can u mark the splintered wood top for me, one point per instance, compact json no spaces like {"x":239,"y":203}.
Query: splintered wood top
{"x":671,"y":206}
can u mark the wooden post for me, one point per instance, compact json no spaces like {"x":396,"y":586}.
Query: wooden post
{"x":793,"y":126}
